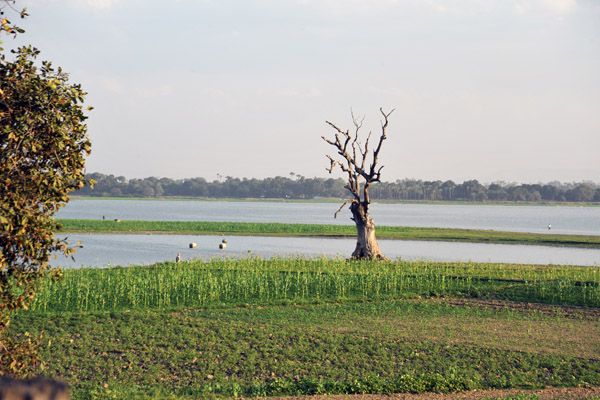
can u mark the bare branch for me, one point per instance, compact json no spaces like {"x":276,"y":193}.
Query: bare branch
{"x":381,"y":139}
{"x":357,"y":124}
{"x":328,"y":141}
{"x":357,"y":127}
{"x":355,"y":156}
{"x":333,"y":164}
{"x":378,"y":174}
{"x":365,"y":152}
{"x":342,"y":207}
{"x":342,"y":149}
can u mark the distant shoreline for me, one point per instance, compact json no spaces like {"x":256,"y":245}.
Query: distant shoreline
{"x":336,"y":200}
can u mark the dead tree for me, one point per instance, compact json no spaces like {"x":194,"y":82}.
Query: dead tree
{"x":353,"y":162}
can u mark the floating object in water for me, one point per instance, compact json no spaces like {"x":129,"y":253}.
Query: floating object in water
{"x":224,"y":241}
{"x":192,"y":245}
{"x":222,"y":246}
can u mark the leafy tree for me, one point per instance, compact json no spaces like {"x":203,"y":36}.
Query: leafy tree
{"x":5,"y":25}
{"x":582,"y":192}
{"x":353,"y":162}
{"x":496,"y":192}
{"x":517,"y":193}
{"x":43,"y":141}
{"x":448,"y":188}
{"x":471,"y":190}
{"x":301,"y":187}
{"x":552,"y":193}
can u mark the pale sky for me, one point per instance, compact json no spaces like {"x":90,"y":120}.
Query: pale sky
{"x":494,"y":90}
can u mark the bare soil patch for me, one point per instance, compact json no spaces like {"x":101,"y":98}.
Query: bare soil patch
{"x":542,"y":394}
{"x":575,"y":312}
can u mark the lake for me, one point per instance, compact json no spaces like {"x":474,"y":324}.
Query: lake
{"x":103,"y":250}
{"x":564,"y":219}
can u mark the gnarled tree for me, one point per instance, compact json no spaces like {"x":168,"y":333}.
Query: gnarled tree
{"x":353,"y":162}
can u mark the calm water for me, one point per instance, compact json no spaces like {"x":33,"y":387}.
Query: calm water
{"x":565,"y":220}
{"x":103,"y":250}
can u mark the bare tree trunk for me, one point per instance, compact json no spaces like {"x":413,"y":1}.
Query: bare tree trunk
{"x":366,"y":243}
{"x":353,"y":161}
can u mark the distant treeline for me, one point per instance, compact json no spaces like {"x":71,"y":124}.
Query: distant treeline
{"x":299,"y":187}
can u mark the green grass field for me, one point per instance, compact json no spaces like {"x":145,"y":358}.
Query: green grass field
{"x":315,"y":230}
{"x":295,"y":326}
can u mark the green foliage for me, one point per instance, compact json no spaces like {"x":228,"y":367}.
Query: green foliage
{"x":321,"y":230}
{"x":303,"y":281}
{"x":43,"y":141}
{"x":521,"y":396}
{"x":370,"y":347}
{"x":20,"y":358}
{"x":309,"y":188}
{"x":5,"y":25}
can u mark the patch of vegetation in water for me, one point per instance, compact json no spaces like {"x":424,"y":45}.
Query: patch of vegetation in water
{"x":322,"y":230}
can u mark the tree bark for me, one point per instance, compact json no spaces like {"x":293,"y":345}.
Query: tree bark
{"x":366,"y":243}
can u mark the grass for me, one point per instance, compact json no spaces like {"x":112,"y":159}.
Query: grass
{"x":302,"y":280}
{"x":294,"y":326}
{"x":317,"y":230}
{"x":313,"y":349}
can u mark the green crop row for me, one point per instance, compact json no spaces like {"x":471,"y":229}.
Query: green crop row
{"x":302,"y":281}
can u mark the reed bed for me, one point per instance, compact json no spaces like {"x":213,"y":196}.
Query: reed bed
{"x":299,"y":280}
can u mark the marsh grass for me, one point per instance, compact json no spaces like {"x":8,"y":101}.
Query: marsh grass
{"x":321,"y":230}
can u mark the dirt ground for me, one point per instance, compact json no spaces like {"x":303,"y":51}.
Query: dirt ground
{"x":542,"y":394}
{"x":564,"y":311}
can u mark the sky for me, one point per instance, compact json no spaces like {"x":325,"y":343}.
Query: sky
{"x":493,"y":90}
